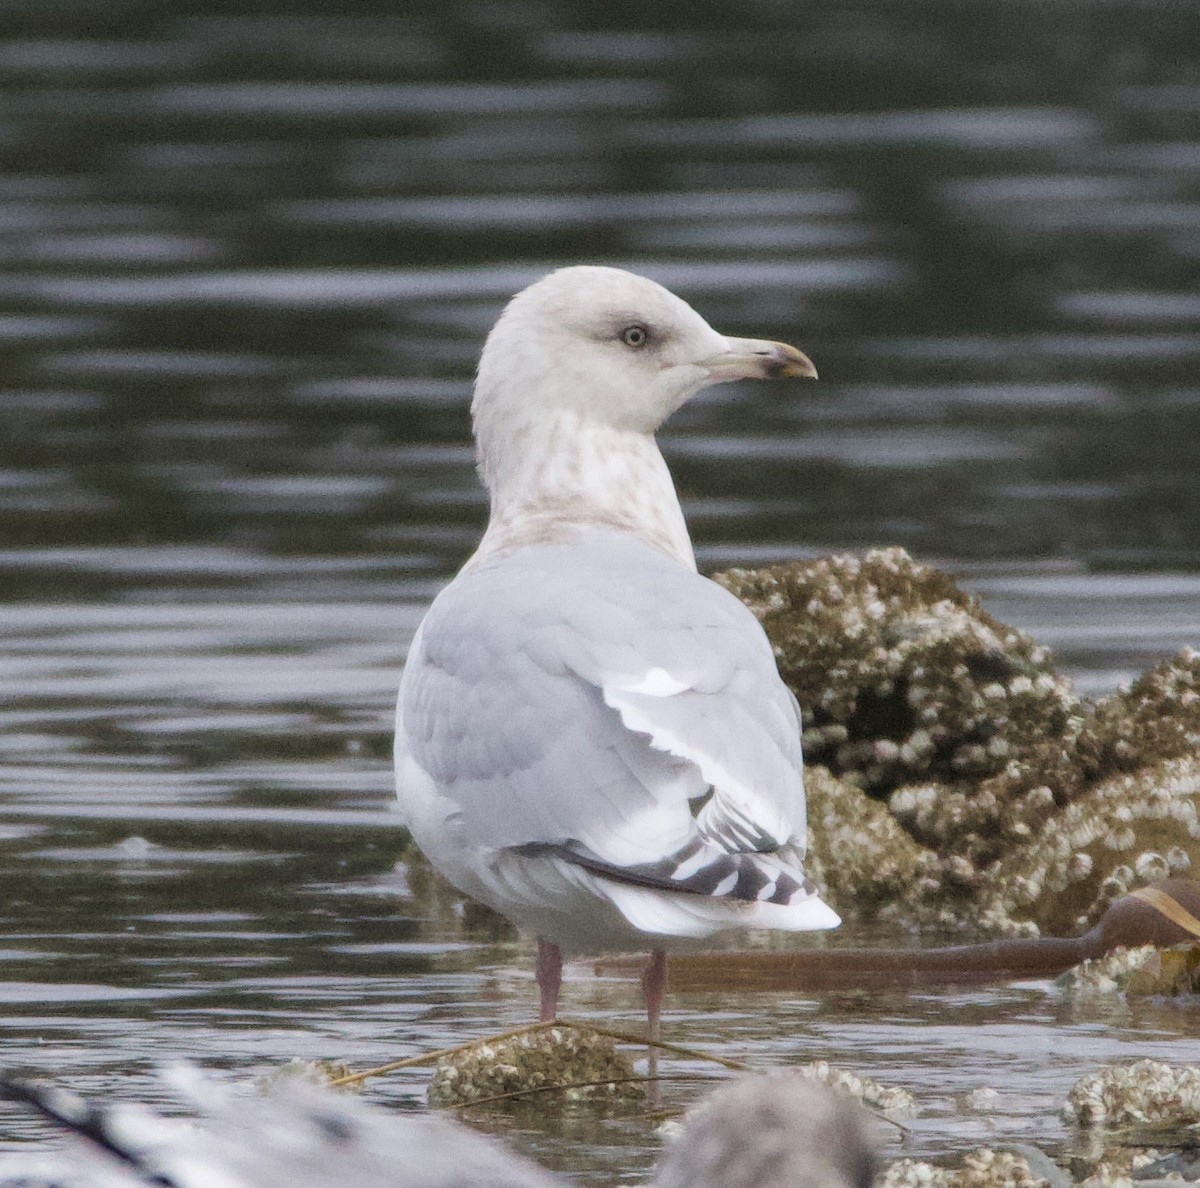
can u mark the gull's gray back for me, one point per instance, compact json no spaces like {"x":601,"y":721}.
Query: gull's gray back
{"x":586,"y":691}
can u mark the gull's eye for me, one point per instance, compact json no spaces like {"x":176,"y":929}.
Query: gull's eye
{"x":635,"y":336}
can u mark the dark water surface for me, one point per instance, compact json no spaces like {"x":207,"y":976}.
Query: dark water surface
{"x":247,"y":258}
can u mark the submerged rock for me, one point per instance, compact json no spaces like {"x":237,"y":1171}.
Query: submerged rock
{"x":581,"y":1064}
{"x":312,"y":1072}
{"x":1121,"y":1167}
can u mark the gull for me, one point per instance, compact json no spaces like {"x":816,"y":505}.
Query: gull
{"x":775,"y":1131}
{"x":296,"y":1135}
{"x":592,"y":738}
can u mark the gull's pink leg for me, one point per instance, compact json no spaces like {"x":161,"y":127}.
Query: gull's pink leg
{"x":549,"y":978}
{"x":654,"y":982}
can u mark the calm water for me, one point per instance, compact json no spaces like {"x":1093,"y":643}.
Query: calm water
{"x":246,"y":263}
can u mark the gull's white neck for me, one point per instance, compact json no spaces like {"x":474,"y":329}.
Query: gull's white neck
{"x":553,"y":477}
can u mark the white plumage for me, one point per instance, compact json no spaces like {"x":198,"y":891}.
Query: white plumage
{"x":756,"y":1132}
{"x":592,"y":738}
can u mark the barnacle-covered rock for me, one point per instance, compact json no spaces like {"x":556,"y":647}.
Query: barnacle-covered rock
{"x":1121,"y":834}
{"x":1116,"y":1168}
{"x":889,"y":1100}
{"x":986,"y":1168}
{"x":1142,"y":972}
{"x":1105,"y":976}
{"x":1143,"y":1092}
{"x":593,"y":1067}
{"x":904,"y":678}
{"x":968,"y":827}
{"x":1157,"y":718}
{"x":865,"y":863}
{"x":913,"y":1173}
{"x":983,"y":1168}
{"x":1020,"y":806}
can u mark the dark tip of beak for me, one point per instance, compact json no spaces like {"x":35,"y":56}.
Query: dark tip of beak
{"x":792,"y":364}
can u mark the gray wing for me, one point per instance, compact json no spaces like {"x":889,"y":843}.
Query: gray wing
{"x":602,"y":700}
{"x":298,"y":1136}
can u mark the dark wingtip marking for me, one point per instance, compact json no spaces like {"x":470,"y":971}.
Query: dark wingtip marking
{"x":77,"y":1116}
{"x":751,"y":880}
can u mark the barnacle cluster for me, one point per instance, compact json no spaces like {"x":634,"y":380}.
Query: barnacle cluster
{"x":1142,"y":972}
{"x":890,"y":1100}
{"x":982,"y":1168}
{"x":1121,"y":834}
{"x":1105,"y":975}
{"x":1021,"y":806}
{"x":864,"y":860}
{"x":1157,"y":718}
{"x":1144,"y":1093}
{"x":1141,"y":1092}
{"x":587,"y":1066}
{"x":900,"y":674}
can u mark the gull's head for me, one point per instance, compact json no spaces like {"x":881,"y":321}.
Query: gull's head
{"x":612,"y":348}
{"x":772,"y":1131}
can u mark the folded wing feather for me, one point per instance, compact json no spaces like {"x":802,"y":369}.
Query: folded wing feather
{"x":585,"y":698}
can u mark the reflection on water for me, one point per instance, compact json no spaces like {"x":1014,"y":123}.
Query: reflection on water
{"x":246,"y":264}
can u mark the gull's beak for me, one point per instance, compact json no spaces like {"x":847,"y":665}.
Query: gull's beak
{"x":753,"y":358}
